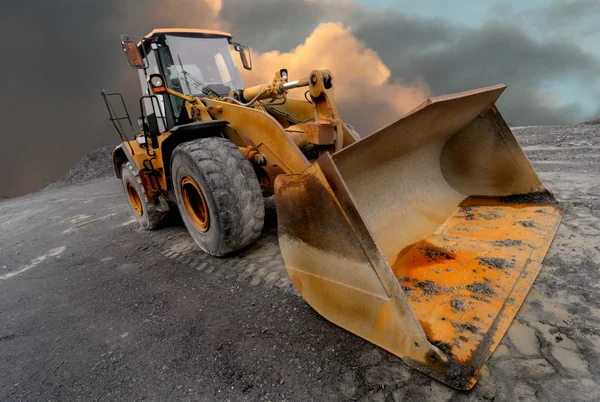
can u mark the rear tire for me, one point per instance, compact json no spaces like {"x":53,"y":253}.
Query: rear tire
{"x":218,"y":195}
{"x":146,"y":213}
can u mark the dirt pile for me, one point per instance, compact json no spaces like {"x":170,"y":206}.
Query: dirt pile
{"x":95,"y":165}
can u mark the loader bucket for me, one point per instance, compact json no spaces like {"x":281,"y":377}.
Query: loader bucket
{"x":423,"y":238}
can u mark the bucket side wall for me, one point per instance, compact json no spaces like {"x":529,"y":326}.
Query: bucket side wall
{"x":395,"y":175}
{"x":485,"y":159}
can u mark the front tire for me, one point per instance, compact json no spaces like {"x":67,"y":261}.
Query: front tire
{"x":218,"y":195}
{"x":146,"y":213}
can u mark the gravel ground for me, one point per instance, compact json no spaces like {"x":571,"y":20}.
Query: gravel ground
{"x":95,"y":309}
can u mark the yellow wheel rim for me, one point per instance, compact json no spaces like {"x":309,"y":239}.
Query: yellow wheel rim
{"x":194,"y":203}
{"x":134,"y":199}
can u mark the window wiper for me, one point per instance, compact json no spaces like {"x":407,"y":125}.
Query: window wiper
{"x":196,"y":82}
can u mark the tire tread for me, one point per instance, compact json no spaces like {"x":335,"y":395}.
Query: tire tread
{"x":235,"y":188}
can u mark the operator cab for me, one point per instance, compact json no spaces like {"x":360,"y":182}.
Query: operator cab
{"x":194,"y":62}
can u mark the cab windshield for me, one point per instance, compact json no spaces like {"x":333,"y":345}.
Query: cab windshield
{"x":199,"y":66}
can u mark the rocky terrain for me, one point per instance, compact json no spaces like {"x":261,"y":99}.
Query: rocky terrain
{"x":94,"y":308}
{"x":93,"y":166}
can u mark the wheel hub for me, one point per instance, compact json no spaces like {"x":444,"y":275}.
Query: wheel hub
{"x":194,"y":202}
{"x":134,"y":199}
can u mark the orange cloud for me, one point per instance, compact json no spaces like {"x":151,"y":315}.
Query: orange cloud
{"x":365,"y":95}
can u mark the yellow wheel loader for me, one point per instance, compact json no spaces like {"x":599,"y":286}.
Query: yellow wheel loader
{"x":423,"y":237}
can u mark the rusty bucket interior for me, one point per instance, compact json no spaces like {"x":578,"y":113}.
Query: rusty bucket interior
{"x":424,"y":237}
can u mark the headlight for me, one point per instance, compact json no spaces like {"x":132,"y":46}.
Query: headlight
{"x":156,"y":81}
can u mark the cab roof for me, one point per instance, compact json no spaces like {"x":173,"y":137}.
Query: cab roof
{"x":202,"y":33}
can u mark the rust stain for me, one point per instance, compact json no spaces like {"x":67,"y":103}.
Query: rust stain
{"x":459,"y":278}
{"x":297,"y":282}
{"x":427,"y":329}
{"x":423,"y":254}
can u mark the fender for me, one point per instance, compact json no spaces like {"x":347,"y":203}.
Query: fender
{"x":185,"y":133}
{"x":121,"y":155}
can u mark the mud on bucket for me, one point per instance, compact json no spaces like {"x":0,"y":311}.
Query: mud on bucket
{"x":423,"y":238}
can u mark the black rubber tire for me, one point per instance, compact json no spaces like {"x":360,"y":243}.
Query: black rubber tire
{"x":230,"y":188}
{"x":151,"y":217}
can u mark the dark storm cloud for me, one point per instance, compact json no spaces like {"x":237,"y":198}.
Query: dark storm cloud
{"x":268,"y":25}
{"x":562,"y":11}
{"x":491,"y":54}
{"x":61,"y":55}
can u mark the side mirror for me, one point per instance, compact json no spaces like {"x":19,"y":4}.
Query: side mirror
{"x":134,"y":57}
{"x":244,"y":56}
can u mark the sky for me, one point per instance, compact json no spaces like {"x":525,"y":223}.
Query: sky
{"x":577,"y":22}
{"x":386,"y":57}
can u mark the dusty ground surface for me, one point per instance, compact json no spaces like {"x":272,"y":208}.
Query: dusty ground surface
{"x":94,"y":309}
